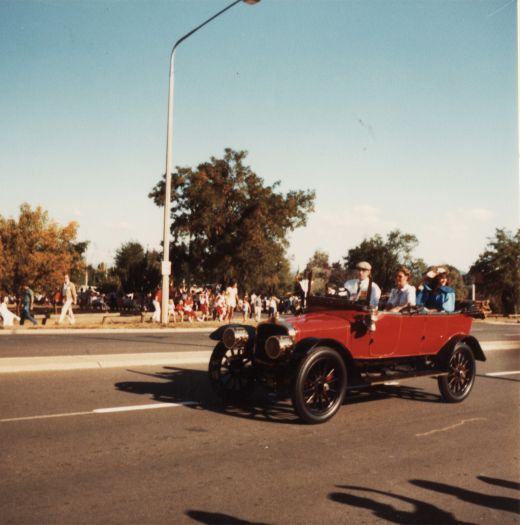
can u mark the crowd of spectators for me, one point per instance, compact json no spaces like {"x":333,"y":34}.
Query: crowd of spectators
{"x":225,"y":303}
{"x":219,"y":303}
{"x":186,"y":303}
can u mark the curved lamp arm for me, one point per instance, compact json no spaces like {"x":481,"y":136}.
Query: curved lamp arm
{"x":166,"y":267}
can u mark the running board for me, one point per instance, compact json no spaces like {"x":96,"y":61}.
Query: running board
{"x":374,"y":379}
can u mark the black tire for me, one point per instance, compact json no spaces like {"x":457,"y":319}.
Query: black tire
{"x":320,"y":385}
{"x":231,"y":373}
{"x":461,"y":368}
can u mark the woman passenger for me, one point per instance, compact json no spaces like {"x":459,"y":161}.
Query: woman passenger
{"x":403,"y":294}
{"x":436,"y":295}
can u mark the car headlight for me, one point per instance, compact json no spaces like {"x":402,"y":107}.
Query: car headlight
{"x":234,"y":336}
{"x":277,"y":345}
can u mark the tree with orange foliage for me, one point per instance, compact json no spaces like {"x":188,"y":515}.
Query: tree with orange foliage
{"x":38,"y":251}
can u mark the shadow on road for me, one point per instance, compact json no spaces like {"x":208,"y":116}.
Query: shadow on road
{"x":216,"y":518}
{"x":376,"y":392}
{"x":476,"y":498}
{"x":176,"y":385}
{"x":425,"y":513}
{"x":500,"y":482}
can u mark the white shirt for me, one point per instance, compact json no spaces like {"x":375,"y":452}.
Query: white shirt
{"x":358,"y":291}
{"x":7,"y":315}
{"x":402,"y":296}
{"x":231,"y":296}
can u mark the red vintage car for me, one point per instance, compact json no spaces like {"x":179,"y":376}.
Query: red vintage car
{"x":337,"y":344}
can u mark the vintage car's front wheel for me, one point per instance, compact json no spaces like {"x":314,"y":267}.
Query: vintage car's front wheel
{"x":320,"y":385}
{"x":231,"y":372}
{"x":457,"y":384}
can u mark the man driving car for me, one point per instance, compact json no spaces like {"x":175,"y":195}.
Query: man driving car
{"x":363,"y":289}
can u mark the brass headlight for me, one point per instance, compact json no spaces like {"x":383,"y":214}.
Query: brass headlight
{"x":277,"y":345}
{"x":234,"y":336}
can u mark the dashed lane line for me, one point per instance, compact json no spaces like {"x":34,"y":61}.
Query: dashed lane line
{"x":109,"y":410}
{"x":498,"y":374}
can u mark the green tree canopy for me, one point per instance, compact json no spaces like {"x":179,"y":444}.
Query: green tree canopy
{"x":497,"y":271}
{"x":385,"y":256}
{"x":228,"y":225}
{"x":320,"y":267}
{"x":137,"y":270}
{"x":38,"y":251}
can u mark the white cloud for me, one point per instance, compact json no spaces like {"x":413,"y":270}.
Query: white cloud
{"x":455,"y":237}
{"x":335,"y":232}
{"x":122,"y":226}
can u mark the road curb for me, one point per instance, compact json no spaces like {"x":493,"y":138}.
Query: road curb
{"x":99,"y":362}
{"x":90,"y":362}
{"x":69,"y":331}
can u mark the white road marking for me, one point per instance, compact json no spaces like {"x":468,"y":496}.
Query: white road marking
{"x":142,"y":407}
{"x":451,"y":427}
{"x":46,"y":416}
{"x":498,"y":374}
{"x":103,"y":411}
{"x":491,"y":346}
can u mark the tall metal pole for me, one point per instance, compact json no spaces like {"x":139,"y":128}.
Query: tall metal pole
{"x":166,"y":264}
{"x":518,"y":97}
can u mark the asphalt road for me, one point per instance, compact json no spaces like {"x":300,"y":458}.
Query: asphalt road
{"x":75,"y":449}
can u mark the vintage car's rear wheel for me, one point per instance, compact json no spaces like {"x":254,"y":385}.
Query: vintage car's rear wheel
{"x":456,"y":386}
{"x":231,"y":372}
{"x":320,"y":385}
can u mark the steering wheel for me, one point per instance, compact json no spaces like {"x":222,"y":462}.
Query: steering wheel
{"x":411,"y":309}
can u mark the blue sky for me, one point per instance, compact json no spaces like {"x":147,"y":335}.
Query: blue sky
{"x":400,"y":114}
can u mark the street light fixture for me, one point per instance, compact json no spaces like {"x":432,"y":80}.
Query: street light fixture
{"x":166,"y":264}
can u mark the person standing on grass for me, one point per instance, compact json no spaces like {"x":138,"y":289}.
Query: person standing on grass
{"x":6,"y":314}
{"x":157,"y":298}
{"x":231,"y":300}
{"x":69,"y":297}
{"x":27,"y":304}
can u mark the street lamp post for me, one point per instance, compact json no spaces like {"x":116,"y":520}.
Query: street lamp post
{"x":166,"y":264}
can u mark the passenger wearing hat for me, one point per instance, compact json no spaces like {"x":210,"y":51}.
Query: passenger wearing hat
{"x":363,"y":289}
{"x":435,"y":294}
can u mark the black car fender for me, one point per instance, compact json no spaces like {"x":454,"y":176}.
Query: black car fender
{"x":216,"y":335}
{"x":471,"y":341}
{"x":306,"y":346}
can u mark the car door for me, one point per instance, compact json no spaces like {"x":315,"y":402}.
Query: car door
{"x":434,"y":336}
{"x":412,"y":336}
{"x":384,"y":340}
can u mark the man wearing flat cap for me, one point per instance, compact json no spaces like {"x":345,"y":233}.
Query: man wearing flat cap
{"x":363,"y":289}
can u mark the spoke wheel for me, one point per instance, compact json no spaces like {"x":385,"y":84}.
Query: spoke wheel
{"x":231,"y":372}
{"x":456,"y":386}
{"x":320,"y":385}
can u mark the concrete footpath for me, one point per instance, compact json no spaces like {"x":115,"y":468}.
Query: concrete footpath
{"x":92,"y":362}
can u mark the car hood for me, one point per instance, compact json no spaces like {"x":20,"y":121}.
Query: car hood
{"x":326,"y":325}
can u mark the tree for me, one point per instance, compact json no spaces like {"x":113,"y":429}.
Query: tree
{"x":338,"y":274}
{"x":137,"y":270}
{"x":228,"y":225}
{"x":385,"y":256}
{"x":36,"y":250}
{"x":319,"y":266}
{"x":104,"y":279}
{"x":497,"y":270}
